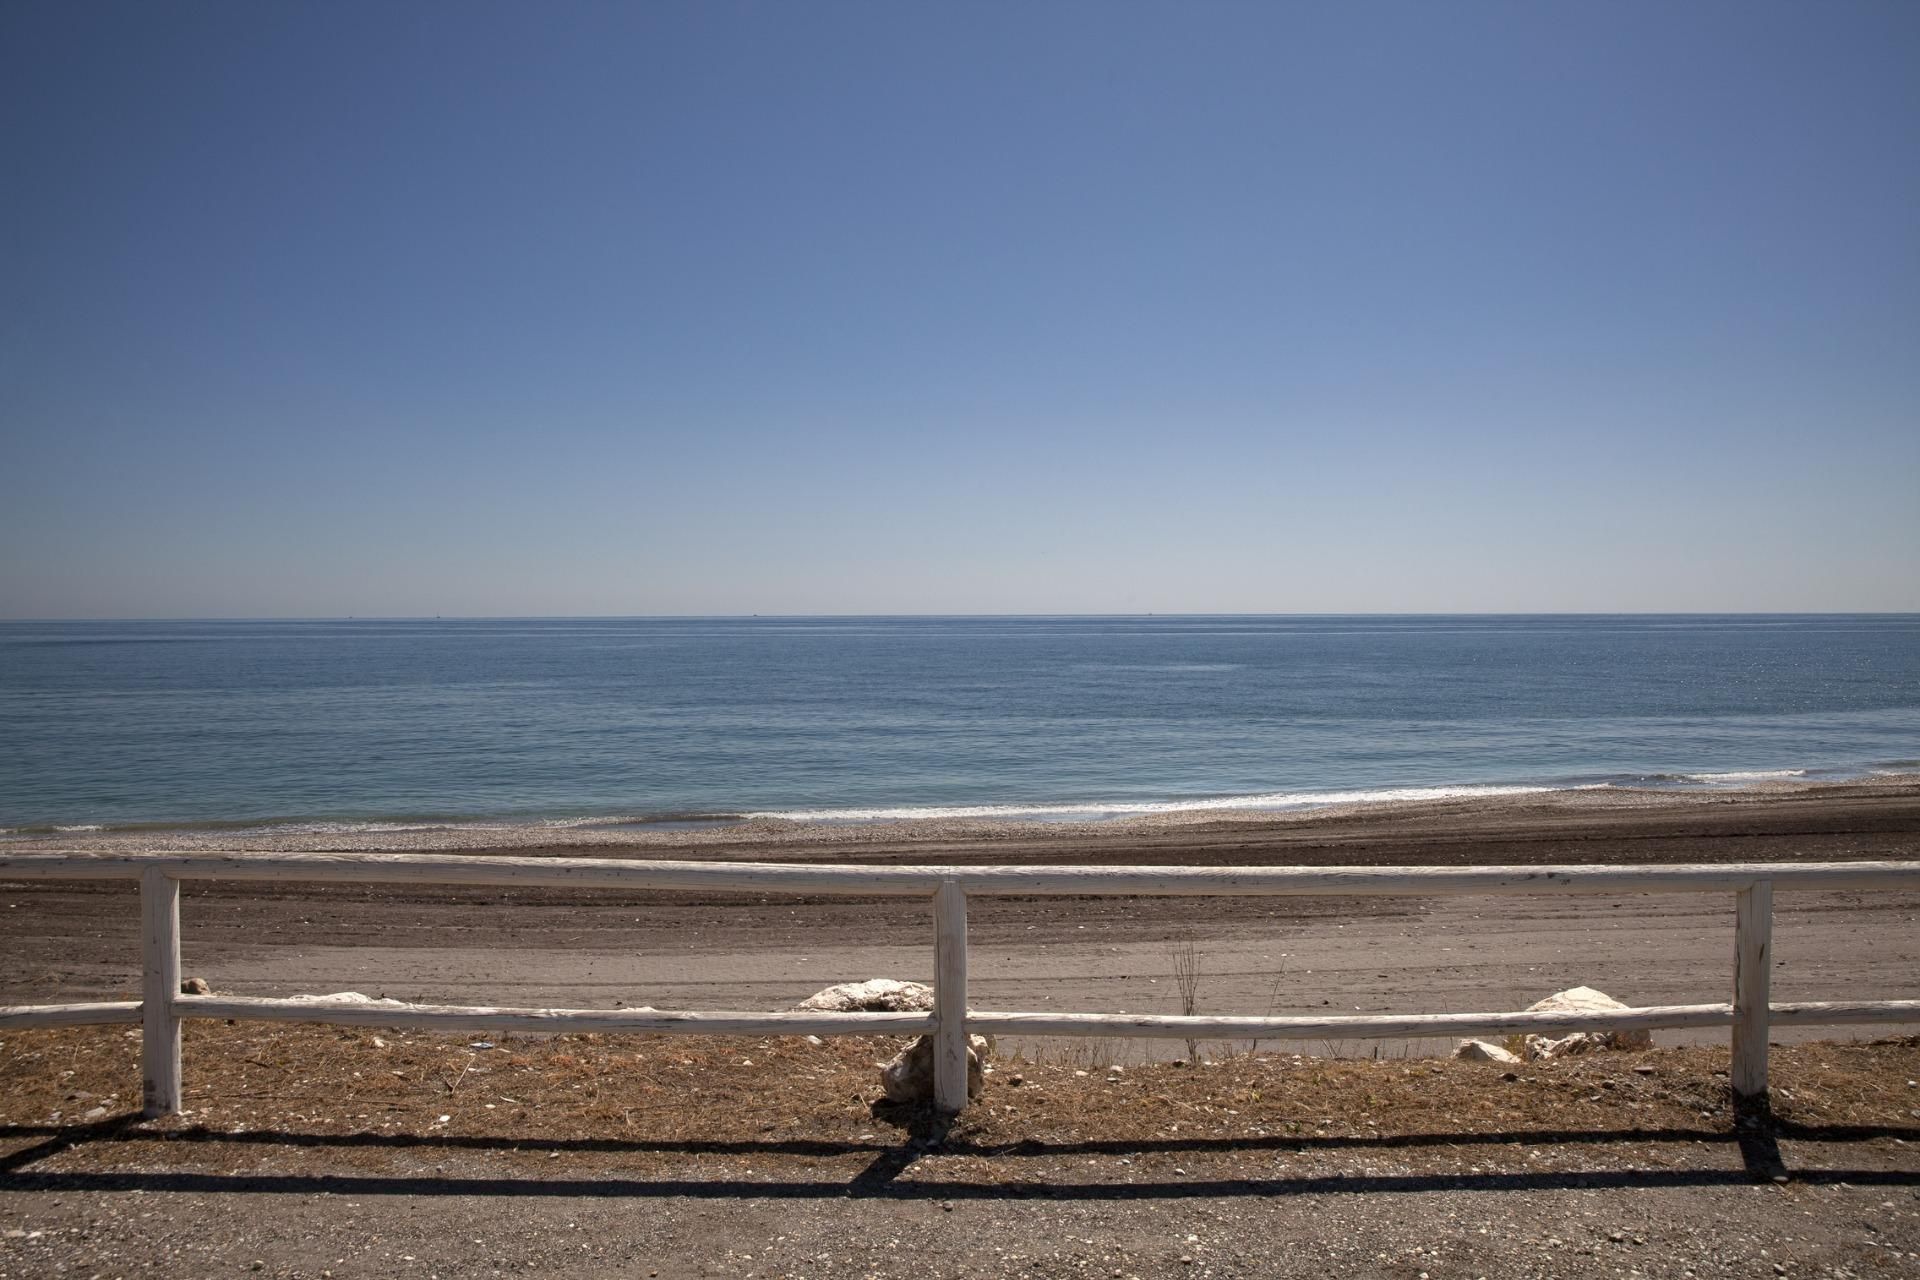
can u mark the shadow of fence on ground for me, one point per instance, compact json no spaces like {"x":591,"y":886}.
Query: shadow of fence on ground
{"x":889,"y":1174}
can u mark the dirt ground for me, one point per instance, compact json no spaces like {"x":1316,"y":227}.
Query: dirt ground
{"x":313,"y":1151}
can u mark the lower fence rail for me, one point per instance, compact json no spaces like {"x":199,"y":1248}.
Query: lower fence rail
{"x":1818,"y":1013}
{"x":100,"y":1014}
{"x":482,"y":1018}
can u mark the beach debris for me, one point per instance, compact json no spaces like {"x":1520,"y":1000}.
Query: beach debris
{"x":1485,"y":1051}
{"x":196,"y":987}
{"x":348,"y":997}
{"x":909,"y":1076}
{"x":875,"y":995}
{"x":1582,"y":1000}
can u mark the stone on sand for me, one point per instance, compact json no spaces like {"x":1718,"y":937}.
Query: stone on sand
{"x":909,"y":1077}
{"x":1582,"y":1000}
{"x":875,"y":995}
{"x":1485,"y":1051}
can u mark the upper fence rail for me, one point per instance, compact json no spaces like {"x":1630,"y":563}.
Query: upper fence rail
{"x":921,"y":881}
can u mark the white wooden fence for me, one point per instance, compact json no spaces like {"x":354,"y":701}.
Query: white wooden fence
{"x":162,"y":1005}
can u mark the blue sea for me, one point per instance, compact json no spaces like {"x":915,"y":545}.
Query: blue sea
{"x":345,"y":724}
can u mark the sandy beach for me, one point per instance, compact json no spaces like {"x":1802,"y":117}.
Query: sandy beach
{"x":581,"y":949}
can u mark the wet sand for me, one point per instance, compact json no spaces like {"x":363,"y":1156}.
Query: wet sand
{"x":584,"y":949}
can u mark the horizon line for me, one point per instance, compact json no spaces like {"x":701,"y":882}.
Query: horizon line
{"x":748,"y":617}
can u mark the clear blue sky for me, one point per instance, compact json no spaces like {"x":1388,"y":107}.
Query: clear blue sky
{"x":353,"y":308}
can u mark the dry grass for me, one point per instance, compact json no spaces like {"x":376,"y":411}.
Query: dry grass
{"x":1186,"y":982}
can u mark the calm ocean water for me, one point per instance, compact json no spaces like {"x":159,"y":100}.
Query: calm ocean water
{"x":351,"y":722}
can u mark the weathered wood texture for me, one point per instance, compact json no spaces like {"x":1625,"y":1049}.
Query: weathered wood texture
{"x":950,"y":998}
{"x":487,"y":1018}
{"x":1346,"y":1026}
{"x":107,"y":1013}
{"x":915,"y":881}
{"x":159,"y":984}
{"x":1837,"y":1013}
{"x":1752,"y":984}
{"x":1821,"y":1013}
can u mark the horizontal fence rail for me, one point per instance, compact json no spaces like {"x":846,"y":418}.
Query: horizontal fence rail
{"x":975,"y":881}
{"x":162,"y":1006}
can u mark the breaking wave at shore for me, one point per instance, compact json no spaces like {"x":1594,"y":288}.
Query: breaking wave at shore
{"x":1291,"y":801}
{"x":1279,"y":801}
{"x":1275,"y":802}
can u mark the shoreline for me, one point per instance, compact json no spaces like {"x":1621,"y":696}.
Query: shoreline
{"x":1404,"y":809}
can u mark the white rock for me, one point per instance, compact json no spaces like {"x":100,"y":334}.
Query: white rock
{"x":1485,"y":1051}
{"x":1582,"y":1000}
{"x":909,"y":1077}
{"x":875,"y":995}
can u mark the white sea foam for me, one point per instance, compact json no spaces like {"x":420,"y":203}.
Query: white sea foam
{"x":341,"y":828}
{"x":347,"y":827}
{"x":1746,"y":775}
{"x":569,"y":823}
{"x":1275,"y":800}
{"x":1039,"y":811}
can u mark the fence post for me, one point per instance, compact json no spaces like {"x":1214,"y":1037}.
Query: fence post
{"x":1752,"y":988}
{"x":950,"y":997}
{"x":159,"y":984}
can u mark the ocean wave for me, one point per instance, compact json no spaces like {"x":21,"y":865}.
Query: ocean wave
{"x":392,"y":826}
{"x":1745,"y":775}
{"x":1034,"y":811}
{"x":633,"y":819}
{"x":1682,"y":781}
{"x":249,"y":827}
{"x":343,"y":828}
{"x":1275,"y":800}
